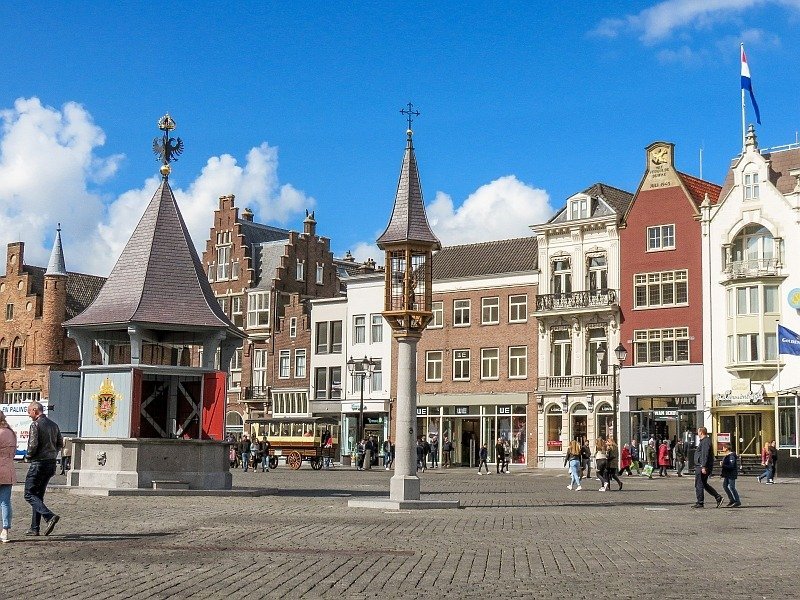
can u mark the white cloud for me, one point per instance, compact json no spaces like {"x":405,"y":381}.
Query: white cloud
{"x":657,"y":23}
{"x":50,"y":169}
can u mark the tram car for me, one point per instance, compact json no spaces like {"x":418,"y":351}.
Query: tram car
{"x":298,"y":439}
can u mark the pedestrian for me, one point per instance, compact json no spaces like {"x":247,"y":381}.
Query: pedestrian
{"x":434,"y":451}
{"x":8,"y":448}
{"x":66,"y":456}
{"x":360,"y":455}
{"x":766,"y":462}
{"x":265,"y":448}
{"x":573,"y":461}
{"x":601,"y":463}
{"x":680,"y":457}
{"x":636,"y":459}
{"x":500,"y":455}
{"x":651,"y":457}
{"x":611,"y":464}
{"x":244,"y":452}
{"x":625,"y":460}
{"x":663,"y":459}
{"x":506,"y":454}
{"x":420,"y":455}
{"x":369,"y":452}
{"x":586,"y":460}
{"x":447,"y":450}
{"x":44,"y":442}
{"x":730,"y":470}
{"x":255,"y":453}
{"x":704,"y":465}
{"x":483,"y":456}
{"x":387,"y":454}
{"x":426,"y":451}
{"x":773,"y":456}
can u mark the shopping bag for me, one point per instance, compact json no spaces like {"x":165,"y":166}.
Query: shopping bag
{"x":648,"y":470}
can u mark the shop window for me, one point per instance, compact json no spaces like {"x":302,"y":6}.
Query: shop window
{"x":553,"y":428}
{"x":578,"y":423}
{"x":605,"y":422}
{"x":788,"y":418}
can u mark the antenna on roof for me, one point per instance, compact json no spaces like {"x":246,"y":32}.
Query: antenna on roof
{"x":701,"y":160}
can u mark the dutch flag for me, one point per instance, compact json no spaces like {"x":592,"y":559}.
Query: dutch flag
{"x":748,"y":85}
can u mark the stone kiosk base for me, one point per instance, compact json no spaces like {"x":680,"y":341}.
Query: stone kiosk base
{"x":149,"y":463}
{"x":389,"y":504}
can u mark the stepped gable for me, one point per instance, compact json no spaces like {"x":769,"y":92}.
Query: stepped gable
{"x":485,"y":258}
{"x":409,"y":223}
{"x":158,"y":280}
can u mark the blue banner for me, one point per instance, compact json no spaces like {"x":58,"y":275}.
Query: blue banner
{"x":788,"y":341}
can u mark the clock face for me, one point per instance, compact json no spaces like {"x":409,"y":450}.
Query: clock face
{"x":660,"y":156}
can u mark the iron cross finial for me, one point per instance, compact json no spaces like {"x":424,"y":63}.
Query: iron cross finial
{"x":167,"y":149}
{"x":410,"y":113}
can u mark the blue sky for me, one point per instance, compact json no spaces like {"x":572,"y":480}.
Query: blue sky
{"x":295,"y":105}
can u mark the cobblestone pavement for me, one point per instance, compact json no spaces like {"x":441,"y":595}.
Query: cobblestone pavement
{"x":522,"y":535}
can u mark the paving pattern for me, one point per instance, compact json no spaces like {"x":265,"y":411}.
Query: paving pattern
{"x":522,"y":535}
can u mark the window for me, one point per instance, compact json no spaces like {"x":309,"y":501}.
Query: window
{"x":490,"y":311}
{"x":328,"y":383}
{"x":561,"y":352}
{"x":597,"y":274}
{"x":293,"y":327}
{"x":223,"y":304}
{"x":235,"y":371}
{"x":562,"y":276}
{"x":770,"y":347}
{"x":329,"y":337}
{"x":336,"y":337}
{"x":377,"y":376}
{"x":771,"y":298}
{"x":321,"y":383}
{"x":300,"y":363}
{"x":300,"y":270}
{"x":335,"y":377}
{"x":518,"y":308}
{"x":288,"y":403}
{"x":490,"y":363}
{"x":657,"y":346}
{"x":597,"y":339}
{"x":579,"y":208}
{"x":3,"y":355}
{"x":322,"y":337}
{"x":433,"y":365}
{"x":747,"y":345}
{"x":376,"y":332}
{"x":460,"y":365}
{"x":9,"y":312}
{"x":553,"y":428}
{"x":438,"y":315}
{"x":753,"y":249}
{"x":22,"y":397}
{"x":212,"y":269}
{"x":359,"y":329}
{"x":461,"y":310}
{"x":320,"y":274}
{"x":260,"y":368}
{"x":751,"y":186}
{"x":517,"y":362}
{"x":236,"y":311}
{"x":16,"y":354}
{"x":223,"y":262}
{"x":235,"y":269}
{"x":668,"y":288}
{"x":284,"y":364}
{"x":258,"y":309}
{"x":747,"y":300}
{"x":661,"y":237}
{"x":788,"y":419}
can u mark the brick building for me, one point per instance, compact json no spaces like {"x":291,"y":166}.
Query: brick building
{"x":476,"y":361}
{"x":32,"y":342}
{"x":263,"y":277}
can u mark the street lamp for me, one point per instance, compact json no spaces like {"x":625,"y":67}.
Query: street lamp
{"x":621,"y":353}
{"x":361,"y":369}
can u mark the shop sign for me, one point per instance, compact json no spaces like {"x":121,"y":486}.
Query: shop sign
{"x":422,"y":411}
{"x":554,"y":445}
{"x":355,"y":406}
{"x":794,"y":298}
{"x":503,"y":410}
{"x":732,"y":398}
{"x":373,"y":420}
{"x":724,"y":438}
{"x":665,"y":414}
{"x":462,"y":410}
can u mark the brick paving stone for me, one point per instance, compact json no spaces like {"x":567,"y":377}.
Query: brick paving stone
{"x":522,"y":535}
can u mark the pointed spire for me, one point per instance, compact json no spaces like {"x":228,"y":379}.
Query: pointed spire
{"x":56,"y":265}
{"x":409,"y":222}
{"x":750,"y":139}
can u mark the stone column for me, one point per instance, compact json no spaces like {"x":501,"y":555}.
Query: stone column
{"x":404,"y":485}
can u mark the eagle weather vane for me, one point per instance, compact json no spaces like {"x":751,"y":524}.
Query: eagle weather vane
{"x":167,"y":148}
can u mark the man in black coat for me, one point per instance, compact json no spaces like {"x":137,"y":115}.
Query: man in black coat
{"x":703,"y":464}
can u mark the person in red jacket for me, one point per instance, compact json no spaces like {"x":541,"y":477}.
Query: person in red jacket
{"x":663,"y":459}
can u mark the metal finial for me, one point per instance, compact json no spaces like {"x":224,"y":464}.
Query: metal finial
{"x":410,"y":113}
{"x":58,"y":229}
{"x":167,"y":149}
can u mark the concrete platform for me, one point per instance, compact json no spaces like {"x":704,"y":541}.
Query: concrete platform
{"x":150,"y":492}
{"x":389,"y":504}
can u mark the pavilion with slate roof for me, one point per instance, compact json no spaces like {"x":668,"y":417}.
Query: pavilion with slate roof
{"x":142,"y":424}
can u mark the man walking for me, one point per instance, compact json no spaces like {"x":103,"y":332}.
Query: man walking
{"x":44,"y":442}
{"x":244,"y":452}
{"x":500,"y":456}
{"x":703,"y":465}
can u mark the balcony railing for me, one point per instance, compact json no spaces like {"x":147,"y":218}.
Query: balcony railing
{"x":259,"y":394}
{"x":739,"y":269}
{"x":575,"y":383}
{"x":573,"y":300}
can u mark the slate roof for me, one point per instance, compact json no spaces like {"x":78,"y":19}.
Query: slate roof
{"x":82,"y":289}
{"x":698,"y":188}
{"x":256,"y":233}
{"x":486,"y":258}
{"x":617,"y":199}
{"x":56,"y":265}
{"x":409,"y":221}
{"x":158,"y":280}
{"x":267,"y":258}
{"x":780,"y":163}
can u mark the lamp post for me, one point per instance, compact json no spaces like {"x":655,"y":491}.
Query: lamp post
{"x":621,"y":353}
{"x":361,"y":369}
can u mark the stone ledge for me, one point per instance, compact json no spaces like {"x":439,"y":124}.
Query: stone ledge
{"x":389,"y":504}
{"x":96,"y":491}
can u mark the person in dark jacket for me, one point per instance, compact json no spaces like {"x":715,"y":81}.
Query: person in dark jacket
{"x":500,"y":455}
{"x":483,"y":455}
{"x":244,"y":452}
{"x":730,"y":470}
{"x":44,"y":442}
{"x":703,"y":465}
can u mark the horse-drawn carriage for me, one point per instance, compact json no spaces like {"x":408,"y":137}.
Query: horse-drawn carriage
{"x":296,"y":439}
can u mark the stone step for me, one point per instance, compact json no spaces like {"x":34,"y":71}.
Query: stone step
{"x":170,"y":484}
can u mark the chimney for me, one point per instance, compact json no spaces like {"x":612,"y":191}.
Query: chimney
{"x":309,"y":224}
{"x":247,"y":214}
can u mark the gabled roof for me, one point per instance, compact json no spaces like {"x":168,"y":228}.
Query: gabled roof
{"x":82,"y":289}
{"x":618,"y":200}
{"x":409,"y":221}
{"x":266,"y":259}
{"x":698,"y":188}
{"x":256,"y":233}
{"x":486,"y":258}
{"x":158,"y":280}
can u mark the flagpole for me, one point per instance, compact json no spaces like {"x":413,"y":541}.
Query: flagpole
{"x":744,"y":132}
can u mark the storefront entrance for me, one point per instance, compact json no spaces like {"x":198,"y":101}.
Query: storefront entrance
{"x":745,"y":431}
{"x":469,"y":432}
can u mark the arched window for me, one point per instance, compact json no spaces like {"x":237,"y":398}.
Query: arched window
{"x":234,"y":422}
{"x":578,"y":422}
{"x":553,"y":427}
{"x":3,"y":354}
{"x":753,"y":248}
{"x":605,"y":421}
{"x":16,"y":354}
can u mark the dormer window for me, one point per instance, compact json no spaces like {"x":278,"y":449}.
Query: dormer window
{"x":751,"y":186}
{"x":579,"y":209}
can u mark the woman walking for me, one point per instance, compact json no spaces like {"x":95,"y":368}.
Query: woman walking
{"x":663,"y":459}
{"x":601,"y":463}
{"x":611,"y":463}
{"x":573,"y":459}
{"x":8,"y":447}
{"x":625,"y":460}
